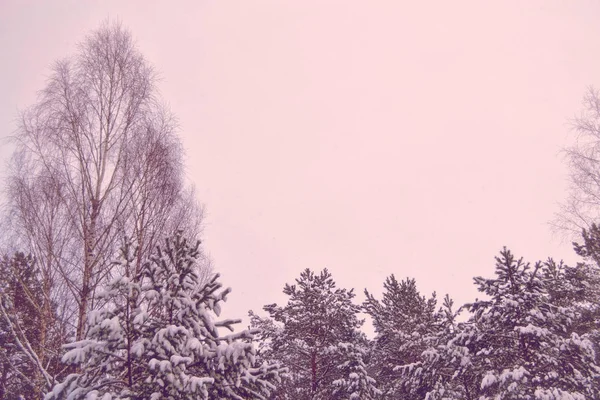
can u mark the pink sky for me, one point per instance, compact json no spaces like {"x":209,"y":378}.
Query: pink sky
{"x":369,"y":137}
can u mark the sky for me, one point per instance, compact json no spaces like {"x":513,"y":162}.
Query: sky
{"x":370,"y":138}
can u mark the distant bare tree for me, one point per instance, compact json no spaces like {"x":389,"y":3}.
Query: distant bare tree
{"x":97,"y":158}
{"x":582,"y":206}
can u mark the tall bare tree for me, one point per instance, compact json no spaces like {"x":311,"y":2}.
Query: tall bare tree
{"x":97,"y":158}
{"x":582,"y":206}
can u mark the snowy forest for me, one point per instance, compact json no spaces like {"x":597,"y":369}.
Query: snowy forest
{"x":106,"y":291}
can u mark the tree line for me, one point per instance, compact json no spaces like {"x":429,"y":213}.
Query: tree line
{"x":106,"y":293}
{"x":534,"y":336}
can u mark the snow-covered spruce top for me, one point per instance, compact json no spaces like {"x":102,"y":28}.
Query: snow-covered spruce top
{"x":157,"y":338}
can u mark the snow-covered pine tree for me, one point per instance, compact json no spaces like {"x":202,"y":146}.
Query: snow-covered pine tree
{"x":266,"y":329}
{"x":318,"y":339}
{"x":443,"y":371}
{"x":355,"y":383}
{"x":158,"y":338}
{"x":403,"y":321}
{"x":519,"y":344}
{"x":583,"y":287}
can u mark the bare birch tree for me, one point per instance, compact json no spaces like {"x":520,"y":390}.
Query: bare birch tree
{"x":582,"y":206}
{"x":97,"y":158}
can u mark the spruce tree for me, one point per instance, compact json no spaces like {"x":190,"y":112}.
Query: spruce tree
{"x":518,"y":342}
{"x":157,"y":338}
{"x":525,"y":343}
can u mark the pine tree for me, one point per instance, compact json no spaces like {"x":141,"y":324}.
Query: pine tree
{"x":158,"y":339}
{"x":522,"y":342}
{"x":443,"y":370}
{"x":403,"y":320}
{"x":518,"y":344}
{"x":355,"y":381}
{"x":581,"y":287}
{"x":317,"y":336}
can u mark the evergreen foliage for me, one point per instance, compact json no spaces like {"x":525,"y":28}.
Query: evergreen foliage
{"x":403,"y":321}
{"x":23,"y":311}
{"x":160,"y":340}
{"x":517,"y":344}
{"x":317,"y":336}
